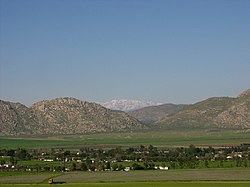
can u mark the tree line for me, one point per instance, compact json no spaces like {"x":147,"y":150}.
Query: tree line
{"x":136,"y":158}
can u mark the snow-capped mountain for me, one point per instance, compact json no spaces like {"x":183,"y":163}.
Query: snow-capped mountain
{"x":128,"y":105}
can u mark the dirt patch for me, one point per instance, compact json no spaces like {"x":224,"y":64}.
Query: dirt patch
{"x":121,"y":176}
{"x":39,"y":178}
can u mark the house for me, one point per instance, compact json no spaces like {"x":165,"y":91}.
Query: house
{"x":161,"y":167}
{"x":237,"y":154}
{"x":127,"y":169}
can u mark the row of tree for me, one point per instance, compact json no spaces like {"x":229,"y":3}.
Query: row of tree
{"x":143,"y":157}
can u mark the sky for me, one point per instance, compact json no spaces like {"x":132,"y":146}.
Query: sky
{"x":168,"y":51}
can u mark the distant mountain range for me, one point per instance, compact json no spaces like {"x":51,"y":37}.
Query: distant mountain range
{"x":128,"y":105}
{"x":152,"y":114}
{"x":63,"y":116}
{"x":72,"y":116}
{"x":217,"y":112}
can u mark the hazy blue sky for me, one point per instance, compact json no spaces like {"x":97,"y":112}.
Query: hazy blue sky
{"x":179,"y":51}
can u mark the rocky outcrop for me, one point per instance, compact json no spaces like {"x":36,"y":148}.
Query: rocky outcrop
{"x":238,"y":114}
{"x":72,"y":116}
{"x":16,"y":118}
{"x":63,"y":116}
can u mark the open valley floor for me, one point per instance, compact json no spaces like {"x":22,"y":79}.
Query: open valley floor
{"x":238,"y":177}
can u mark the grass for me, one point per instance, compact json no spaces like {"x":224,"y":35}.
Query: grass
{"x":170,"y":138}
{"x":166,"y":138}
{"x":40,"y":163}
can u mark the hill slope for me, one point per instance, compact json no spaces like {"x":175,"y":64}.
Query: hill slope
{"x":71,"y":116}
{"x":152,"y":114}
{"x":16,"y":118}
{"x":220,"y":112}
{"x":63,"y":116}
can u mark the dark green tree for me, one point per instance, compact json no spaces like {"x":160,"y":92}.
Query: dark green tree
{"x":206,"y":163}
{"x":2,"y":162}
{"x":115,"y":167}
{"x":121,"y":167}
{"x":84,"y":167}
{"x":73,"y":168}
{"x":136,"y":166}
{"x":108,"y":165}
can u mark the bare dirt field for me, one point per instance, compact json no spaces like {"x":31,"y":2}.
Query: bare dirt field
{"x":189,"y":175}
{"x":131,"y":176}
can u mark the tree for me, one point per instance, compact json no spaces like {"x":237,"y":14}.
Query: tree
{"x":151,"y":148}
{"x":115,"y":167}
{"x":146,"y":165}
{"x":238,"y":162}
{"x":141,"y":148}
{"x":73,"y":167}
{"x":221,"y":163}
{"x":102,"y":166}
{"x":84,"y":167}
{"x":245,"y":162}
{"x":120,"y":167}
{"x":108,"y":165}
{"x":46,"y":168}
{"x":172,"y":165}
{"x":58,"y":168}
{"x":136,"y":166}
{"x":38,"y":167}
{"x":181,"y":163}
{"x":11,"y":153}
{"x":88,"y":162}
{"x":13,"y":161}
{"x":191,"y":150}
{"x":206,"y":163}
{"x":92,"y":167}
{"x":2,"y":162}
{"x":22,"y":154}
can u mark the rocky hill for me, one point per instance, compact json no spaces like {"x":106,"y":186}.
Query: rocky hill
{"x":238,"y":113}
{"x":63,"y":116}
{"x":16,"y":118}
{"x":72,"y":116}
{"x":151,"y":114}
{"x":220,"y":112}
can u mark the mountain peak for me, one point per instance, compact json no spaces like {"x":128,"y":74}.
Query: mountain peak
{"x":128,"y":104}
{"x":245,"y":93}
{"x":63,"y":116}
{"x":61,"y":100}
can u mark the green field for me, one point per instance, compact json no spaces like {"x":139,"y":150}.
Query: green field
{"x":165,"y":138}
{"x":177,"y":178}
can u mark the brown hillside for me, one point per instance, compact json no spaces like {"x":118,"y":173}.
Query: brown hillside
{"x":220,"y":112}
{"x":63,"y":116}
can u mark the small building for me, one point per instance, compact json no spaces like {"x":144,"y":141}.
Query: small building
{"x":161,"y":168}
{"x":127,"y":169}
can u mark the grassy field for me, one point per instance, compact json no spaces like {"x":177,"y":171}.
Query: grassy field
{"x":169,"y":138}
{"x":176,"y":178}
